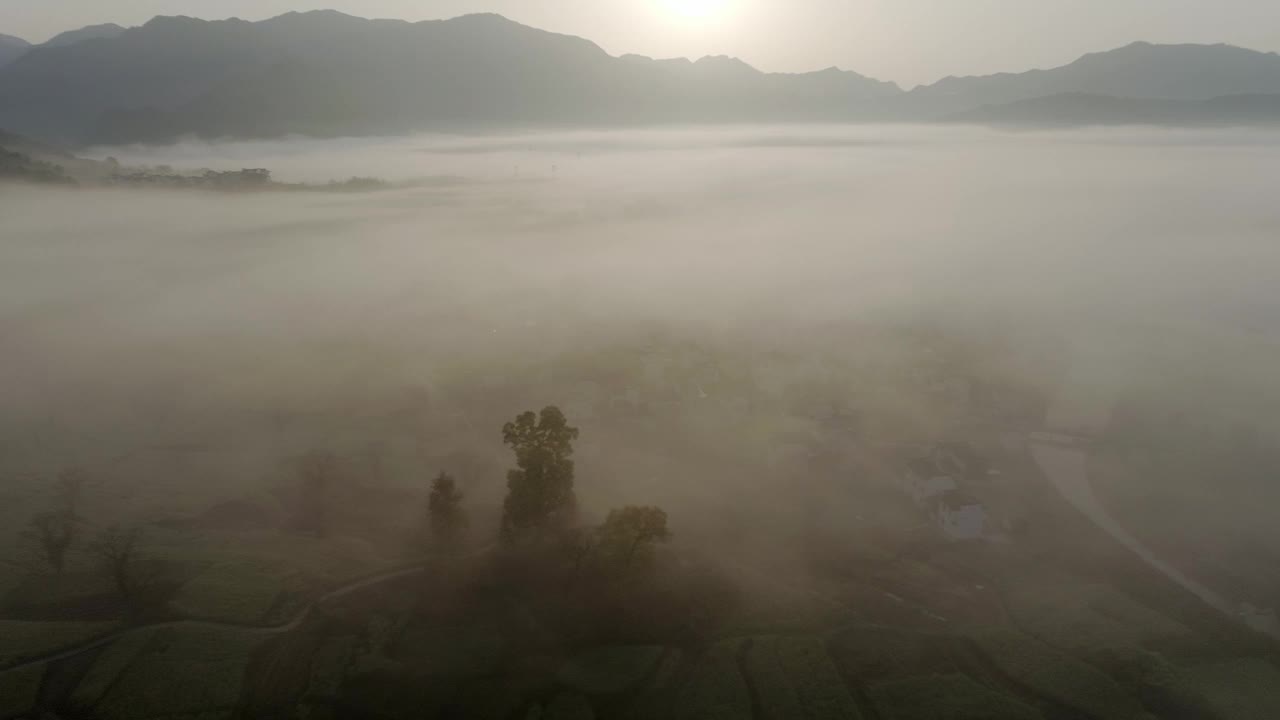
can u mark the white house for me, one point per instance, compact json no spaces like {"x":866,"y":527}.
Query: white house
{"x":961,"y":516}
{"x":924,"y":481}
{"x":934,"y":480}
{"x":1259,"y":619}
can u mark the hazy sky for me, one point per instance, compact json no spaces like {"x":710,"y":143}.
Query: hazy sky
{"x":908,"y":41}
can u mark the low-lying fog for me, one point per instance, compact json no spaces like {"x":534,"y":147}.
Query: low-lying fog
{"x":180,"y":345}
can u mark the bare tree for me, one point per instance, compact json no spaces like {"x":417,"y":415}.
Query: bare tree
{"x":54,"y":532}
{"x":53,"y":536}
{"x":117,"y":548}
{"x":580,"y":545}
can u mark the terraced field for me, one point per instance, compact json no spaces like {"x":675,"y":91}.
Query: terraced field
{"x":870,"y":654}
{"x":1062,"y":679}
{"x":945,"y":697}
{"x":715,"y":689}
{"x":1071,"y":614}
{"x":465,"y":649}
{"x":107,"y":668}
{"x":610,"y":670}
{"x":794,"y":677}
{"x":19,"y":690}
{"x":1242,"y":689}
{"x":866,"y":673}
{"x":180,"y":672}
{"x":74,"y":594}
{"x":568,"y":706}
{"x":328,"y":668}
{"x":229,"y":593}
{"x":23,"y":639}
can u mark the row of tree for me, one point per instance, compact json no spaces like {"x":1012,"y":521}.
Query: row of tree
{"x":540,"y":508}
{"x":54,"y":533}
{"x":541,"y":503}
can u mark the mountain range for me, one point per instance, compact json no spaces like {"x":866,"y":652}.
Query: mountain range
{"x":324,"y":73}
{"x":12,"y":48}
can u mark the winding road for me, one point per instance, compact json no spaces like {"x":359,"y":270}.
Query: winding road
{"x":285,"y":627}
{"x":1066,"y":464}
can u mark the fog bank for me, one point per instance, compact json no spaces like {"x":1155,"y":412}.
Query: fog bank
{"x":230,"y":331}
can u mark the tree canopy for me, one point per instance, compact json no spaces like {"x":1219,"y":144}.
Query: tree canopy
{"x":540,"y":488}
{"x":630,"y":533}
{"x":446,"y":519}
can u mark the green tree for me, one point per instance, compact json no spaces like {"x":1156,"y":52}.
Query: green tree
{"x":446,"y":519}
{"x":630,"y":533}
{"x":540,"y":488}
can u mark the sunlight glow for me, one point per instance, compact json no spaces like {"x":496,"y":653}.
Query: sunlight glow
{"x":696,"y":9}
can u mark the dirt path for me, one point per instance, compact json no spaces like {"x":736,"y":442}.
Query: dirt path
{"x":1066,"y":465}
{"x":286,"y":627}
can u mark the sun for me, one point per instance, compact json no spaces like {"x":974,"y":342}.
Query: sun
{"x":696,"y":9}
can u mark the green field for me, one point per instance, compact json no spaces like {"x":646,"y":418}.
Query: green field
{"x":329,"y":667}
{"x":182,"y":672}
{"x":24,"y":639}
{"x":1242,"y":689}
{"x":1074,"y":615}
{"x":297,"y":558}
{"x":493,"y":698}
{"x":795,"y":677}
{"x":1063,"y":679}
{"x":715,"y":690}
{"x":241,"y":594}
{"x":609,"y":670}
{"x":656,"y":700}
{"x":19,"y":689}
{"x":107,"y":667}
{"x":774,"y":686}
{"x":945,"y":697}
{"x":872,"y":653}
{"x":823,"y":693}
{"x":465,"y":649}
{"x":568,"y":706}
{"x":69,"y":589}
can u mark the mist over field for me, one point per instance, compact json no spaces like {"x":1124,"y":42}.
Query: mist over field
{"x":136,"y":320}
{"x":762,"y":334}
{"x":402,"y":368}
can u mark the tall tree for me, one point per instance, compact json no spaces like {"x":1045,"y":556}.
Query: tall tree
{"x":446,"y":519}
{"x":540,"y":487}
{"x":630,"y":533}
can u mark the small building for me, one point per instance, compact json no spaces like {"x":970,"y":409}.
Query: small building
{"x":1262,"y":620}
{"x":960,"y":460}
{"x":924,"y":480}
{"x":935,"y":479}
{"x":961,"y":516}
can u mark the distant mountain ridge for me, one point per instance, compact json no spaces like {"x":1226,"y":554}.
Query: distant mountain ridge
{"x":1140,"y":70}
{"x":12,"y":48}
{"x":92,"y":32}
{"x":1080,"y":109}
{"x":324,"y":73}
